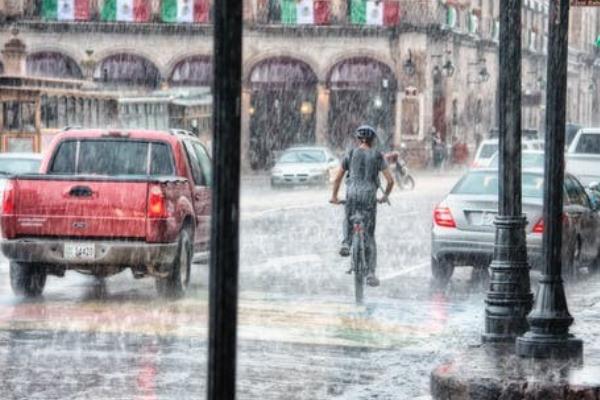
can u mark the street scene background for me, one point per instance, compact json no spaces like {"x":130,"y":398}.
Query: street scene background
{"x":300,"y":334}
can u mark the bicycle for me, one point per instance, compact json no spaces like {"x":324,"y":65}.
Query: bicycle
{"x":359,"y":266}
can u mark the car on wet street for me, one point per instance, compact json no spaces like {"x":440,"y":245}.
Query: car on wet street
{"x":19,"y":163}
{"x":304,"y":166}
{"x":529,"y":159}
{"x":463,"y":230}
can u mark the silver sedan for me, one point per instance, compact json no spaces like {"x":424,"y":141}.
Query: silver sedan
{"x":463,"y":229}
{"x":304,"y":166}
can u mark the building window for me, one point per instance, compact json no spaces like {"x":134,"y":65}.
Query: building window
{"x":495,"y":30}
{"x":451,"y":17}
{"x":473,"y":23}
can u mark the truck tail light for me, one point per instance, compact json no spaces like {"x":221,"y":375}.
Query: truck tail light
{"x":157,"y":204}
{"x":443,"y":217}
{"x":8,"y":199}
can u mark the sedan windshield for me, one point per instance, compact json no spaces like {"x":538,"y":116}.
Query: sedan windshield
{"x":303,"y":156}
{"x":19,"y":165}
{"x":486,"y":183}
{"x":488,"y":150}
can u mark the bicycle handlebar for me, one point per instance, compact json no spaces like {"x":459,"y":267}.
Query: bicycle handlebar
{"x":342,"y":202}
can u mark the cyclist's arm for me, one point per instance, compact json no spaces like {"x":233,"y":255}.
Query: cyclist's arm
{"x":337,"y":182}
{"x":389,"y":182}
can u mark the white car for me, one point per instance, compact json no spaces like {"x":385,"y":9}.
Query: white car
{"x":489,"y":148}
{"x":304,"y":166}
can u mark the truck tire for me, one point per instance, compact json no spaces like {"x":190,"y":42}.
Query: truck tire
{"x":27,"y":279}
{"x":176,"y":283}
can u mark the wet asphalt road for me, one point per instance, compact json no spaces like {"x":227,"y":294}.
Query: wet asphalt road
{"x":300,"y":335}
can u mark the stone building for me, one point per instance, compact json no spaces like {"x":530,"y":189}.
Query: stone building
{"x":424,"y":65}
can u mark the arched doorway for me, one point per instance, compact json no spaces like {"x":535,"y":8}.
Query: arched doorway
{"x":52,"y":64}
{"x":282,"y":108}
{"x":362,"y":91}
{"x":127,"y":70}
{"x":192,"y":71}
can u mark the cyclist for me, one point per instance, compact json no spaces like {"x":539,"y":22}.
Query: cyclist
{"x":363,"y":164}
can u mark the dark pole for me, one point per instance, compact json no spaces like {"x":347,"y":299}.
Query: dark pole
{"x":550,"y":318}
{"x":509,"y":297}
{"x":224,"y":257}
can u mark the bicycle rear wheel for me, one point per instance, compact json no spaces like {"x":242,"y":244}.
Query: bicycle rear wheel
{"x":358,"y":269}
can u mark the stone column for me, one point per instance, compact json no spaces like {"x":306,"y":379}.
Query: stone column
{"x":245,"y":148}
{"x":14,"y":56}
{"x":322,"y":114}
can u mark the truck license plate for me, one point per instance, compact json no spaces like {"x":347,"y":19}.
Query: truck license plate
{"x":79,"y":251}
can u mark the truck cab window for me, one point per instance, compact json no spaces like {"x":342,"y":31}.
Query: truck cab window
{"x":64,"y":160}
{"x":194,"y":164}
{"x":161,"y":162}
{"x":205,"y":162}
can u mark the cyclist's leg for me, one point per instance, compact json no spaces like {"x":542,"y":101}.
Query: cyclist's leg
{"x":347,"y":228}
{"x":370,"y":245}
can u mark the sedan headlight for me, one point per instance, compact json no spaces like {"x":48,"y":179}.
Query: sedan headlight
{"x":316,"y":171}
{"x":276,"y":171}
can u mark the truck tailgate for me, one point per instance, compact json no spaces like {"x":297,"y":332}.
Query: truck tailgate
{"x":80,"y":208}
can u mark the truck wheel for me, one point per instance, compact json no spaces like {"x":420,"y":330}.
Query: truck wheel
{"x":27,"y":280}
{"x":176,"y":283}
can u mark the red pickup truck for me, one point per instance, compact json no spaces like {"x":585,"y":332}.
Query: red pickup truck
{"x":108,"y":200}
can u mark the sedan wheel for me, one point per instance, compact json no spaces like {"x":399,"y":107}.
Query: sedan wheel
{"x":442,"y":271}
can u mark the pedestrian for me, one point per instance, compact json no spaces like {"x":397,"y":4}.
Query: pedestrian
{"x":434,"y":148}
{"x":363,"y":165}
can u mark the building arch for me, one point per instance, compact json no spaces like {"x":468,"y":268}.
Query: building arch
{"x":251,"y":62}
{"x":362,"y":90}
{"x":283,"y":94}
{"x":193,"y":70}
{"x":127,"y":69}
{"x":52,"y":64}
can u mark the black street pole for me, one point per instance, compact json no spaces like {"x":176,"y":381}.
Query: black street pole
{"x":509,"y":297}
{"x":224,"y":256}
{"x":550,"y":319}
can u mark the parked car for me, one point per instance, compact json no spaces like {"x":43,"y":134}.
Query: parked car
{"x":529,"y":159}
{"x":583,"y":155}
{"x":304,"y":166}
{"x":463,"y":231}
{"x":106,"y":201}
{"x":19,"y":163}
{"x":488,"y":148}
{"x":570,"y":133}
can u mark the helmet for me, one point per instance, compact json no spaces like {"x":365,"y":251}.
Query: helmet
{"x":365,"y":132}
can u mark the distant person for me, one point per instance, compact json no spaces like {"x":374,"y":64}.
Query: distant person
{"x":363,"y":165}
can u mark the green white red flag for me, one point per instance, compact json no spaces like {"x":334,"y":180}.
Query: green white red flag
{"x":185,"y":11}
{"x":375,"y":12}
{"x":304,"y":12}
{"x":126,"y":10}
{"x":66,"y":10}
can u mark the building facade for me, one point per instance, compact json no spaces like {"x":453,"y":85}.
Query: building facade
{"x":422,"y":65}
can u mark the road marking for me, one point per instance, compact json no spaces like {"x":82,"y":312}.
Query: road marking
{"x":404,"y":271}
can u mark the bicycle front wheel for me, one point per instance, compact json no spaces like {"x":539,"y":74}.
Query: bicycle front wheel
{"x":359,"y":287}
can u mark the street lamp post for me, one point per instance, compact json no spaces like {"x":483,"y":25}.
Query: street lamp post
{"x":550,"y":319}
{"x":509,"y":297}
{"x":224,"y":251}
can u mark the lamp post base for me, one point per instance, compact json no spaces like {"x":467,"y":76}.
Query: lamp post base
{"x":534,"y":345}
